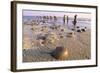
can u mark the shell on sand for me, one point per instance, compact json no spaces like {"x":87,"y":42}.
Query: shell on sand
{"x":34,"y":42}
{"x":42,"y":42}
{"x":53,"y":35}
{"x":45,"y":30}
{"x":60,"y":53}
{"x":83,"y":30}
{"x":27,"y":43}
{"x":70,"y":34}
{"x":79,"y":30}
{"x":63,"y":29}
{"x":52,"y":38}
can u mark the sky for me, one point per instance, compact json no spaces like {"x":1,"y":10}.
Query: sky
{"x":52,"y":13}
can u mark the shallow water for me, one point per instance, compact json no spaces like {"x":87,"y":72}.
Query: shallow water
{"x":80,"y":21}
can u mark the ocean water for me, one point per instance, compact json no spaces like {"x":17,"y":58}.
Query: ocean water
{"x":81,"y":22}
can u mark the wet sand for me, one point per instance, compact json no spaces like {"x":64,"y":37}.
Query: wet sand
{"x":78,"y":46}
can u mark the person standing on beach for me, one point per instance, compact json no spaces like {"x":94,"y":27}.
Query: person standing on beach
{"x":67,"y":19}
{"x":75,"y":21}
{"x":64,"y":19}
{"x":55,"y":19}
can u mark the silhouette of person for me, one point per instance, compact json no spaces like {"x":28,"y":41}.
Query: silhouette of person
{"x":75,"y":21}
{"x":64,"y":19}
{"x":67,"y":19}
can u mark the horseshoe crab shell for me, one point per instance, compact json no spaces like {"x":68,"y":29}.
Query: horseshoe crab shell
{"x":60,"y":53}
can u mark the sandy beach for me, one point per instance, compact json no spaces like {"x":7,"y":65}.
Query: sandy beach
{"x":54,"y":36}
{"x":78,"y":46}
